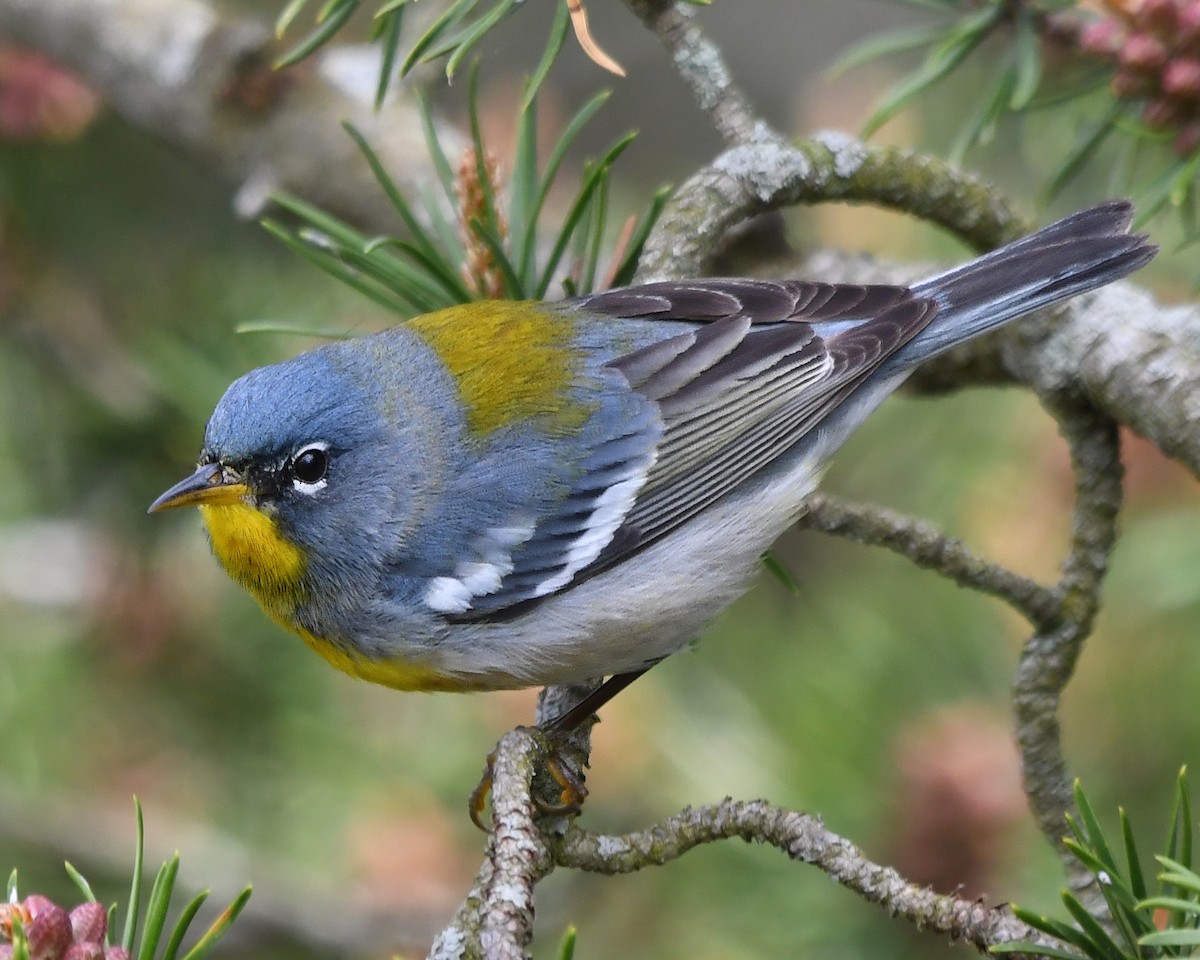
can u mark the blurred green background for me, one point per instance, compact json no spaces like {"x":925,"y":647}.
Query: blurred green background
{"x":875,"y":696}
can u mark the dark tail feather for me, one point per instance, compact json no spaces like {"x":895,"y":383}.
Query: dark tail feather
{"x":1079,"y":253}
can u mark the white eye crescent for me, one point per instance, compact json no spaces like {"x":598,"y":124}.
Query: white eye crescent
{"x":308,"y":467}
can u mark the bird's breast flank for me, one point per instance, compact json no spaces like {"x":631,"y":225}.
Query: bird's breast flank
{"x":395,"y":672}
{"x":253,"y":551}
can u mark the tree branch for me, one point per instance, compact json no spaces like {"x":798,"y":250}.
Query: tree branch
{"x":752,"y":178}
{"x":702,"y":67}
{"x":1049,"y":657}
{"x":1062,"y":616}
{"x":803,"y":838}
{"x":930,"y":548}
{"x":496,"y":918}
{"x":202,"y":81}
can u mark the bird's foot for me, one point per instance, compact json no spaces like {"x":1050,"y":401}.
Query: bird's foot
{"x":557,"y":786}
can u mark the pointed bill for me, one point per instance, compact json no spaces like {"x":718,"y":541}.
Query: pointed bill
{"x":210,"y":484}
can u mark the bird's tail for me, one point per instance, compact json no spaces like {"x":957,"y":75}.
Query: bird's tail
{"x":1079,"y":253}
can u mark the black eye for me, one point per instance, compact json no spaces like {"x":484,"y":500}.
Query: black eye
{"x":310,"y":465}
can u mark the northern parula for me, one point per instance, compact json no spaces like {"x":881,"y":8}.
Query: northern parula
{"x":508,"y":494}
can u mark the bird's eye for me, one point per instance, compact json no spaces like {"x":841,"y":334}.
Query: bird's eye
{"x":310,"y":465}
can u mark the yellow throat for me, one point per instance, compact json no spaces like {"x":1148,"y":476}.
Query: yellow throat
{"x":248,"y":544}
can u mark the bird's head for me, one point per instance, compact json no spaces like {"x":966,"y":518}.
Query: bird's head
{"x":294,"y":469}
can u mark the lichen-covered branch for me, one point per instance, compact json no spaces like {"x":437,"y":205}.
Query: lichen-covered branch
{"x":1135,"y":360}
{"x":803,"y":838}
{"x":202,"y":80}
{"x":1049,"y":657}
{"x":767,"y":174}
{"x":1062,"y":616}
{"x":496,"y":918}
{"x":700,"y":63}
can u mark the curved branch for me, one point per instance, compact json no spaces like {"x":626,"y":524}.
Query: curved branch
{"x":928,"y":547}
{"x":766,"y":174}
{"x":1062,"y":616}
{"x":1134,"y":359}
{"x":804,"y":838}
{"x":1049,"y":657}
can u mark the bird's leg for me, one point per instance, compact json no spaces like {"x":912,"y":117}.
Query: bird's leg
{"x":564,"y":770}
{"x":564,"y":723}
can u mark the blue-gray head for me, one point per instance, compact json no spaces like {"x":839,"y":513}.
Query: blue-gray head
{"x":313,"y":446}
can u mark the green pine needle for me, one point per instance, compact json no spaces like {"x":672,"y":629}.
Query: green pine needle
{"x":135,"y":890}
{"x":212,"y":936}
{"x":421,"y":269}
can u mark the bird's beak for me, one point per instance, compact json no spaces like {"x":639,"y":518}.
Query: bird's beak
{"x":211,"y":484}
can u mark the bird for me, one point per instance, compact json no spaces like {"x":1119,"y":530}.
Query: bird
{"x":505,"y":494}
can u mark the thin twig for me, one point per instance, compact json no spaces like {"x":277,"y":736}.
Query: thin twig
{"x":929,"y":547}
{"x":700,"y":63}
{"x":803,"y":838}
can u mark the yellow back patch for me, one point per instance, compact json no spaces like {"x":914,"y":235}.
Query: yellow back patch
{"x":253,"y":552}
{"x":511,"y":360}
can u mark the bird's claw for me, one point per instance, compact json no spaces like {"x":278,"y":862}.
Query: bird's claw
{"x":478,"y":800}
{"x":572,"y":791}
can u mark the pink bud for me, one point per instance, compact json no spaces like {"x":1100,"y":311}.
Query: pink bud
{"x":35,"y":903}
{"x":1160,"y":112}
{"x":1102,"y":37}
{"x":116,"y":953}
{"x":89,"y":923}
{"x":84,"y":951}
{"x":48,"y":930}
{"x":1157,"y":15}
{"x":1188,"y":23}
{"x":1182,"y":78}
{"x":1187,"y":140}
{"x":6,"y":951}
{"x":1126,"y":83}
{"x":1143,"y":52}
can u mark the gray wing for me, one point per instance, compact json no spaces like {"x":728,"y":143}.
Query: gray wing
{"x":739,"y":392}
{"x":766,"y":362}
